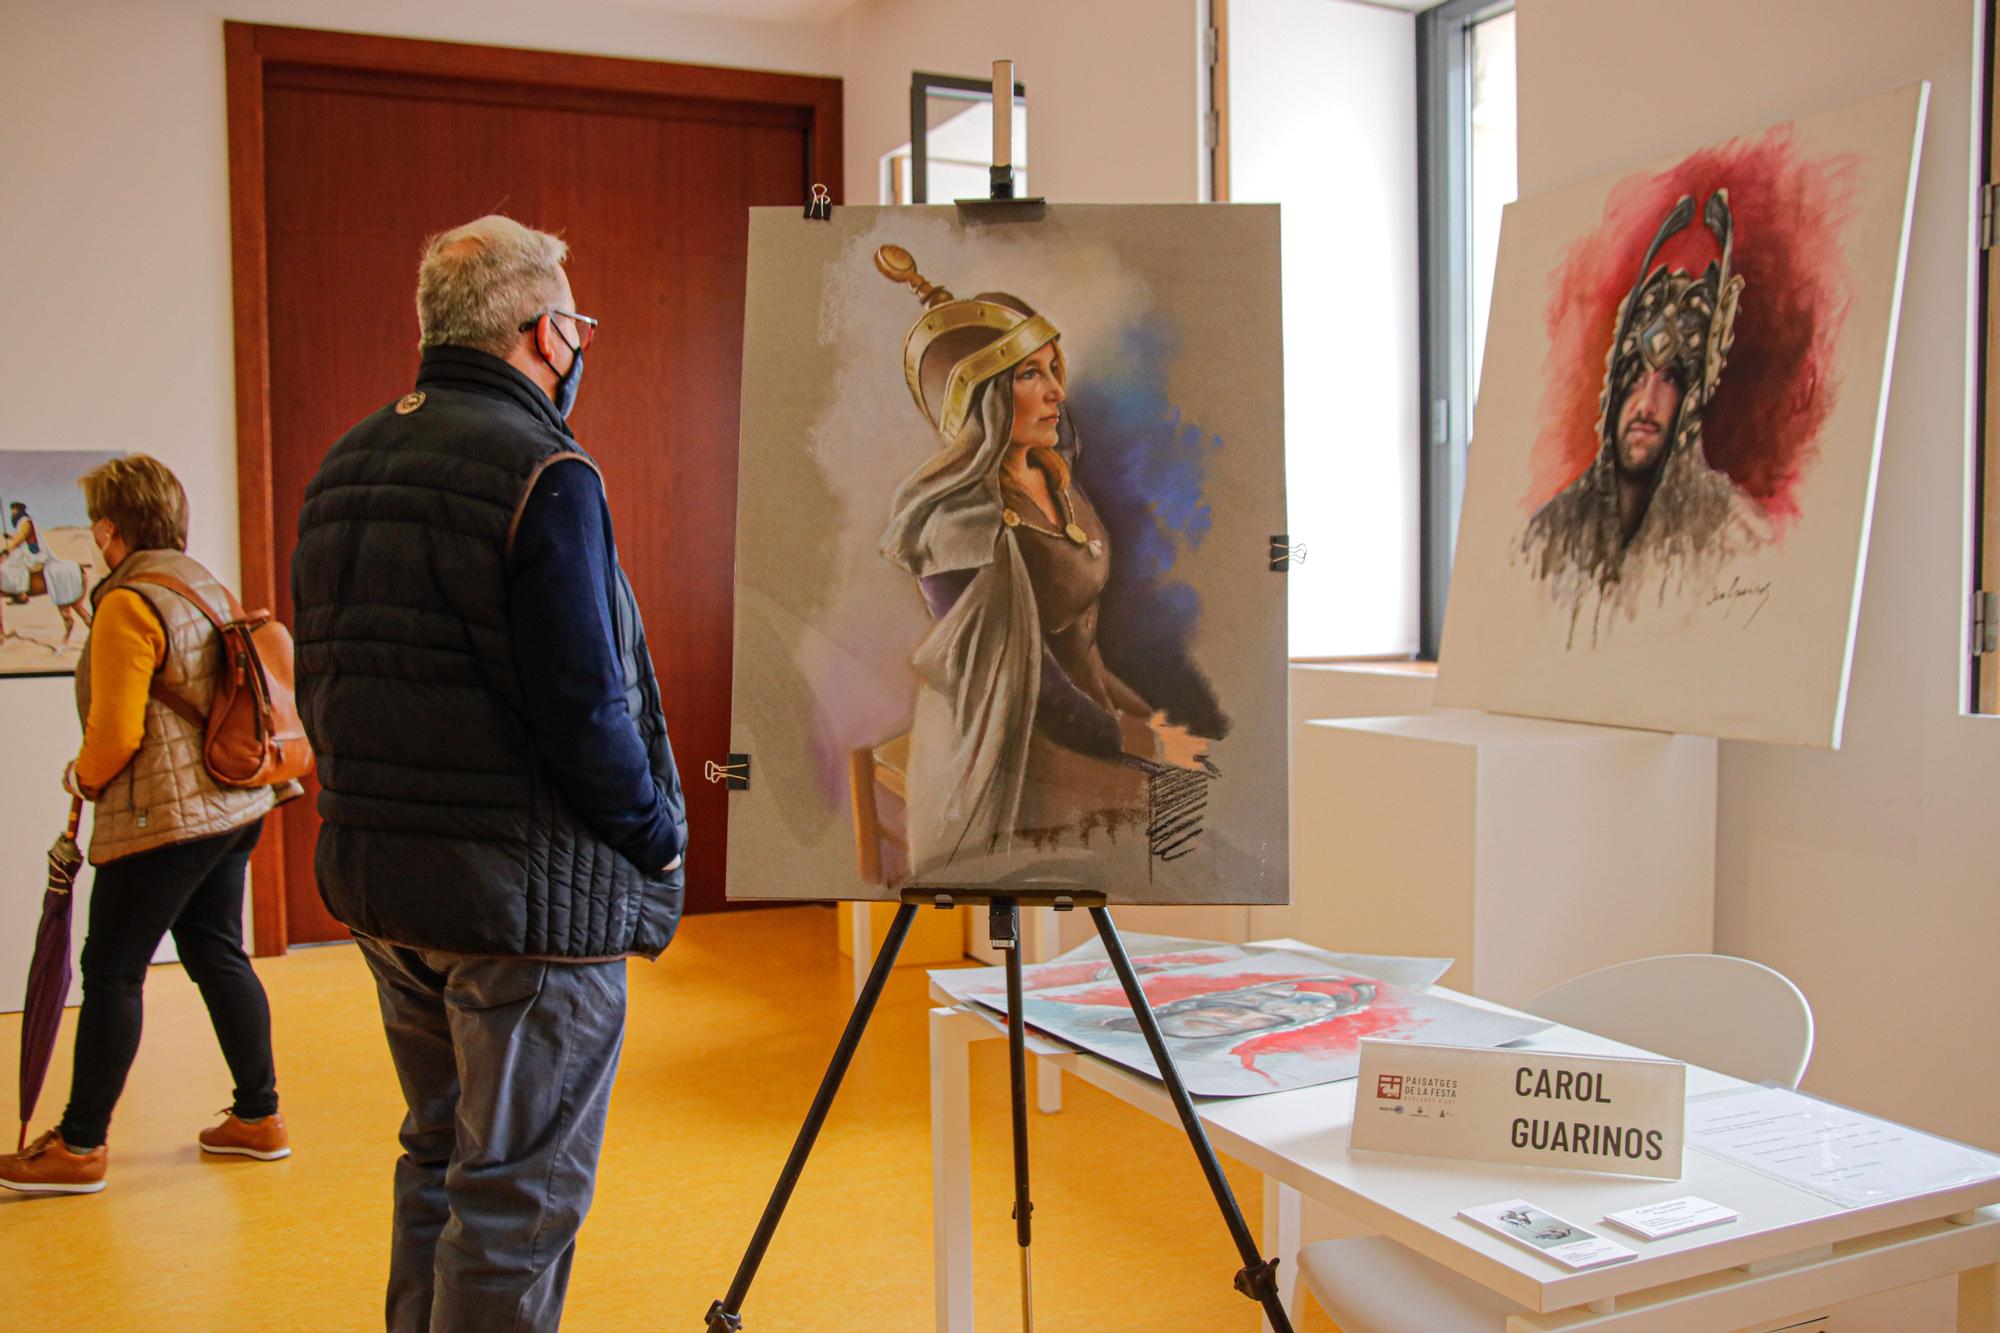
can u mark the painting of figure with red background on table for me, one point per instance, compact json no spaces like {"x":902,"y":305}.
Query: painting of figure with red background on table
{"x":1260,"y":1023}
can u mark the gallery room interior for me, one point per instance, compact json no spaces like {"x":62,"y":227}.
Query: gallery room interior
{"x":1335,"y":668}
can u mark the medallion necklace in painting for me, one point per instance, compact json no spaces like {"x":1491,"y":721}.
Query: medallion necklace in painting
{"x":1071,"y":528}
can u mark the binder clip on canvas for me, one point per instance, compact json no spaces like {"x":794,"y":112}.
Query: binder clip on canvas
{"x":1257,"y":1279}
{"x":734,"y":773}
{"x":819,"y":208}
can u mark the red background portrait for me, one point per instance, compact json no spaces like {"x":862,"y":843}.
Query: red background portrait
{"x":1778,"y":387}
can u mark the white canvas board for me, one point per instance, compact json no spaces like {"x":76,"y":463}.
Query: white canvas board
{"x":1673,"y":460}
{"x":1004,"y":607}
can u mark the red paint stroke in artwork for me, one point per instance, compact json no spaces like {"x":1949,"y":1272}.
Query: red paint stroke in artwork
{"x":1326,"y":1041}
{"x":1049,"y":976}
{"x":1777,"y":389}
{"x":1167,"y":988}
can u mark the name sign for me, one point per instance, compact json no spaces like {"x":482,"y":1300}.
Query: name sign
{"x":1585,"y":1112}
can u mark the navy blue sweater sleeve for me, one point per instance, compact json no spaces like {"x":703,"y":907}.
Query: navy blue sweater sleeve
{"x":560,"y":594}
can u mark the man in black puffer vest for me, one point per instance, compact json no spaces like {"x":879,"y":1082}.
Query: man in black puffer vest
{"x":503,"y":822}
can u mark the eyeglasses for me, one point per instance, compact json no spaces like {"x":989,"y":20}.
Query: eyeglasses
{"x":586,"y":327}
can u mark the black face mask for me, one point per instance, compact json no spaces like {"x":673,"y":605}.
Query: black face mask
{"x":566,"y":385}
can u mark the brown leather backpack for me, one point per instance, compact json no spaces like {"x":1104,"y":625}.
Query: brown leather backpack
{"x":252,"y":736}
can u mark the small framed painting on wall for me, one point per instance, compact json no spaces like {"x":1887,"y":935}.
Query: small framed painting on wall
{"x":47,"y":560}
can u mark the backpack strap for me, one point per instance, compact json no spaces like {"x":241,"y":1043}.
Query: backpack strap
{"x":158,"y":690}
{"x":167,"y":698}
{"x":174,"y":585}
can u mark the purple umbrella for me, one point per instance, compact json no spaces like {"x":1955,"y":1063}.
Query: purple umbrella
{"x":48,"y":974}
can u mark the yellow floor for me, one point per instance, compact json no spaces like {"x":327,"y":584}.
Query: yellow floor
{"x":728,"y":1036}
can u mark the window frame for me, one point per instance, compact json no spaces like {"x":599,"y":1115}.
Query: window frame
{"x":1984,"y":667}
{"x":1444,"y":290}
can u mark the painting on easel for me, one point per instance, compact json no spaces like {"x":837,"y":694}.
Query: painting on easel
{"x":1005,"y":605}
{"x":47,"y":561}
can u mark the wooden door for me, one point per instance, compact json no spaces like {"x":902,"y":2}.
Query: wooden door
{"x":363,"y":160}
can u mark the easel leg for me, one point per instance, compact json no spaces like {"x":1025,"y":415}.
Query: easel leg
{"x":725,"y":1315}
{"x":1258,"y":1277}
{"x":1017,"y":1083}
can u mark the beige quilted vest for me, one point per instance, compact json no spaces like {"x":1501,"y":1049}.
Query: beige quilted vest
{"x":165,"y":795}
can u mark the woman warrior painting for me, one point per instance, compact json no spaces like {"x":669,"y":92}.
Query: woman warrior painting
{"x":1021,"y":730}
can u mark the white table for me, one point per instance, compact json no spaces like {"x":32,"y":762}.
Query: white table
{"x":1790,"y":1253}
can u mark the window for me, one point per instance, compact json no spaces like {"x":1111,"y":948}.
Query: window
{"x":1986,"y":560}
{"x":1393,"y":172}
{"x":951,"y":142}
{"x":1320,"y":115}
{"x":1466,"y":142}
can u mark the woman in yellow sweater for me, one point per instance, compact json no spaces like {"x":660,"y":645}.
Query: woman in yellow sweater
{"x":170,"y":846}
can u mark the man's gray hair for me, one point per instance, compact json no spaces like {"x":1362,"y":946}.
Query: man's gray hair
{"x":479,"y":283}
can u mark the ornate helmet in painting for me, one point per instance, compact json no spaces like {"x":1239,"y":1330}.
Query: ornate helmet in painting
{"x":1674,"y":321}
{"x":957,"y":345}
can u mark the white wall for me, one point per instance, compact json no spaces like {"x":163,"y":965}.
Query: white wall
{"x":1113,"y":116}
{"x":114,"y":217}
{"x":1322,"y":119}
{"x":1866,"y":875}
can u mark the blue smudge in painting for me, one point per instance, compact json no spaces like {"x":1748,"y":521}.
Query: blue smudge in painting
{"x":1144,"y":467}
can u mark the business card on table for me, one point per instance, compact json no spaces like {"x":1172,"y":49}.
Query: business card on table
{"x":1565,"y":1242}
{"x":1657,"y":1220}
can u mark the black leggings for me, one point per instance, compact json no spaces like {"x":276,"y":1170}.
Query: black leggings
{"x":194,"y":889}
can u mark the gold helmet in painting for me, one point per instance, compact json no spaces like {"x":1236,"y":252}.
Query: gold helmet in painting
{"x":957,"y":345}
{"x":1674,"y":321}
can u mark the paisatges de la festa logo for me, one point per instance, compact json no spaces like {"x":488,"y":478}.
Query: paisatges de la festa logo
{"x":1419,"y":1095}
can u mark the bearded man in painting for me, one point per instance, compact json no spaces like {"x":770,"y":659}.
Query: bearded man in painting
{"x":1649,"y":507}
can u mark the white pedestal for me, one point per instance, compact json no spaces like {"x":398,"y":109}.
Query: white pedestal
{"x":1530,"y":851}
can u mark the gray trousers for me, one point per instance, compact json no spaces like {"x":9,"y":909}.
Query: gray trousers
{"x":506,"y":1066}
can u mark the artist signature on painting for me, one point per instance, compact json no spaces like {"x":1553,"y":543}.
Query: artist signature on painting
{"x":1737,"y":594}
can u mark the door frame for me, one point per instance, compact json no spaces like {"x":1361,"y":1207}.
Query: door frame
{"x":248,"y":49}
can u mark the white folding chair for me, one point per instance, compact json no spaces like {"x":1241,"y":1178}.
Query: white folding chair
{"x":1727,"y":1014}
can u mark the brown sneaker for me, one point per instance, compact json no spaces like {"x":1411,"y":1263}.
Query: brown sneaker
{"x":263,"y":1139}
{"x":47,"y":1166}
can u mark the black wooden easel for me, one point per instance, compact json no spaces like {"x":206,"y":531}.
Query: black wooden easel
{"x":1257,"y":1279}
